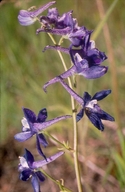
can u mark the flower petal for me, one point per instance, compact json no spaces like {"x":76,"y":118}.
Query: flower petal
{"x":25,"y":19}
{"x":86,"y":42}
{"x":29,"y":17}
{"x":80,"y":115}
{"x":42,"y":116}
{"x":40,"y":176}
{"x":42,"y":139}
{"x":29,"y":157}
{"x":51,"y":18}
{"x":94,"y":72}
{"x":23,"y":136}
{"x":95,"y":57}
{"x":86,"y":98}
{"x":25,"y":124}
{"x":105,"y":116}
{"x":101,"y":94}
{"x":65,"y":20}
{"x":80,"y":33}
{"x":25,"y":175}
{"x":81,"y":64}
{"x":38,"y":146}
{"x":30,"y":115}
{"x":76,"y":36}
{"x":23,"y":164}
{"x":95,"y":120}
{"x":35,"y":183}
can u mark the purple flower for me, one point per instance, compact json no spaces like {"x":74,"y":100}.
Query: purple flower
{"x":90,"y":106}
{"x":29,"y":168}
{"x":89,"y":52}
{"x":64,"y":25}
{"x":29,"y":17}
{"x":86,"y":61}
{"x":33,"y":124}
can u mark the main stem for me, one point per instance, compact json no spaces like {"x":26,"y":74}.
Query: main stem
{"x":76,"y":162}
{"x":77,"y":170}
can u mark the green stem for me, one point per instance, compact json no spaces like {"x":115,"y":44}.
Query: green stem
{"x":61,"y":186}
{"x":60,"y":55}
{"x":53,"y":138}
{"x":76,"y":163}
{"x":76,"y":154}
{"x":64,"y":145}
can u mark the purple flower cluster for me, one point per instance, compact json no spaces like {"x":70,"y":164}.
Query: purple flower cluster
{"x":34,"y":125}
{"x":86,"y":61}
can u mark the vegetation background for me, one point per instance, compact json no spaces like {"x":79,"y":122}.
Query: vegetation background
{"x":24,"y":70}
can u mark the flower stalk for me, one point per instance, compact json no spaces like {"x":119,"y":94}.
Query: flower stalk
{"x":76,"y":162}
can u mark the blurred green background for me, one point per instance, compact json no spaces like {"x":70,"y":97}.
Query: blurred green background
{"x":24,"y":70}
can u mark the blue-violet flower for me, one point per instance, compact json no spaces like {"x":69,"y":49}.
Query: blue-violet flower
{"x":65,"y":26}
{"x":90,"y":106}
{"x":29,"y":17}
{"x":86,"y":61}
{"x":29,"y":168}
{"x":33,"y":124}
